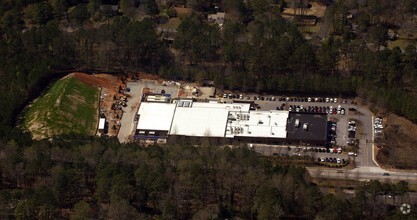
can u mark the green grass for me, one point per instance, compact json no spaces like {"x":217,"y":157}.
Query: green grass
{"x":309,"y":29}
{"x":172,"y":23}
{"x":69,"y":106}
{"x":399,"y":43}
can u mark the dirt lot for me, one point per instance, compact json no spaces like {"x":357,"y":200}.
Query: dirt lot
{"x":398,"y":149}
{"x":109,"y":87}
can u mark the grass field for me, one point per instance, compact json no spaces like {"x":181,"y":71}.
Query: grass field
{"x":69,"y":106}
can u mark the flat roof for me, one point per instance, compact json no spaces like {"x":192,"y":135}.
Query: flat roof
{"x":155,"y":116}
{"x":315,"y":124}
{"x":101,"y":123}
{"x":195,"y":121}
{"x":236,"y":107}
{"x":271,"y":124}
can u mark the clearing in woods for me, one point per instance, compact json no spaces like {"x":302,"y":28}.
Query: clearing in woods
{"x":68,"y":106}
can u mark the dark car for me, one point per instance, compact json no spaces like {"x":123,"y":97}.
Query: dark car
{"x":385,"y":174}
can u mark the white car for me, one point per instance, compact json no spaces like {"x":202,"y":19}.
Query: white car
{"x":335,"y":100}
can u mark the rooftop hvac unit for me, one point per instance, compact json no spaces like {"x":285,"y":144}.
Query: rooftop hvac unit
{"x":297,"y":122}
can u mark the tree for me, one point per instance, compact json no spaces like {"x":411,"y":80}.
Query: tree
{"x":122,"y":210}
{"x":93,"y":7}
{"x":378,"y":35}
{"x":328,"y":56}
{"x":60,"y":7}
{"x":82,"y":211}
{"x":39,"y":13}
{"x":303,"y":60}
{"x":197,"y":40}
{"x":268,"y":203}
{"x":80,"y":14}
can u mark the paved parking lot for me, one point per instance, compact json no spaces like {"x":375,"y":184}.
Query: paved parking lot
{"x":284,"y":150}
{"x":361,"y":115}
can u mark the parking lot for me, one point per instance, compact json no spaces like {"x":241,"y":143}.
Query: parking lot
{"x":363,"y":134}
{"x":332,"y":106}
{"x":318,"y":153}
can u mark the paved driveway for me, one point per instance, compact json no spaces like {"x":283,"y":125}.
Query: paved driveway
{"x":129,"y":112}
{"x":128,"y":125}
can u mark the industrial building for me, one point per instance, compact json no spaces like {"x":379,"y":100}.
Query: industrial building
{"x":187,"y":118}
{"x":305,"y":128}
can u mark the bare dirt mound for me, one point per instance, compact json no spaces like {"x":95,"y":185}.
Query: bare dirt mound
{"x":91,"y":80}
{"x":150,"y":76}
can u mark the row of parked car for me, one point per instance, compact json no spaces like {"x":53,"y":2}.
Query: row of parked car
{"x":351,"y":132}
{"x":282,"y":99}
{"x":332,"y":132}
{"x":331,"y":160}
{"x":378,"y":125}
{"x":314,"y":109}
{"x":309,"y":99}
{"x":255,"y":98}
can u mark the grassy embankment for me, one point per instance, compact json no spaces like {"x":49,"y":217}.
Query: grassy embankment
{"x":69,"y":106}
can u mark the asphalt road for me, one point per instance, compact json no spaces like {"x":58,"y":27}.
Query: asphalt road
{"x":363,"y":174}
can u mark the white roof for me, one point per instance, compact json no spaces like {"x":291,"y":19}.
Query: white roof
{"x":233,"y":107}
{"x":196,"y":121}
{"x":101,"y":123}
{"x":155,"y":116}
{"x":271,"y":124}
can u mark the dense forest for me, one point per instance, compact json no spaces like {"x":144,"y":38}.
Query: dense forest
{"x":256,"y":50}
{"x":85,"y":178}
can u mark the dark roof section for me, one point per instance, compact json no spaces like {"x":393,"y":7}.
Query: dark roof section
{"x":316,"y":131}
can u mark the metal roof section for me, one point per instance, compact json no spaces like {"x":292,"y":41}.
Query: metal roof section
{"x":268,"y":124}
{"x":101,"y":123}
{"x":198,"y":121}
{"x":155,"y":116}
